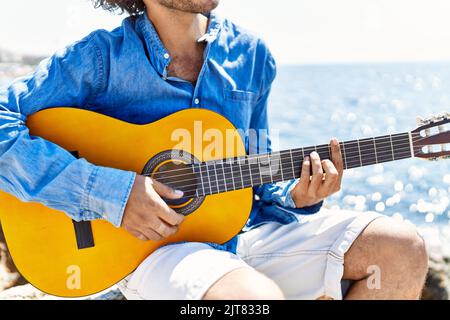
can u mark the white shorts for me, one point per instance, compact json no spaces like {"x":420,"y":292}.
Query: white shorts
{"x":305,"y":259}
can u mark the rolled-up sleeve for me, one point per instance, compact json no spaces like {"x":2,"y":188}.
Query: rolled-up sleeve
{"x":36,"y":170}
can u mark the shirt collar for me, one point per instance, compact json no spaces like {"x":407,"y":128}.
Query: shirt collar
{"x":158,"y":54}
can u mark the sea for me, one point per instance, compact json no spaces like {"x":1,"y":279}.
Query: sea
{"x":310,"y":104}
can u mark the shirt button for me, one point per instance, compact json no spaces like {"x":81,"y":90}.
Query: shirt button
{"x":166,"y":56}
{"x":196,"y":101}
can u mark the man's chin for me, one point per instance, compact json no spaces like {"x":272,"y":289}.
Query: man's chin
{"x":210,"y":5}
{"x":192,"y":6}
{"x":204,"y":10}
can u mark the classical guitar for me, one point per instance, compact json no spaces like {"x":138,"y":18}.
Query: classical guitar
{"x":72,"y":259}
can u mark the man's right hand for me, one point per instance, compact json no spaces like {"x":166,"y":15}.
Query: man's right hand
{"x":147,"y":216}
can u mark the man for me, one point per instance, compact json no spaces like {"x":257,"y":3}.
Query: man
{"x":171,"y":55}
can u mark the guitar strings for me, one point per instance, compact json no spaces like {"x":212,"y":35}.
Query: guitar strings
{"x":245,"y":178}
{"x":247,"y":172}
{"x":403,"y":135}
{"x":280,"y":160}
{"x":405,"y":154}
{"x":319,"y":148}
{"x":405,"y":146}
{"x":223,"y":182}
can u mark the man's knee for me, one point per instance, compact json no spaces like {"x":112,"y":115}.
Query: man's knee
{"x":244,"y":284}
{"x":401,"y":245}
{"x":390,"y":243}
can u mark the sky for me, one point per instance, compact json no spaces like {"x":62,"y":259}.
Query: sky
{"x":297,"y":31}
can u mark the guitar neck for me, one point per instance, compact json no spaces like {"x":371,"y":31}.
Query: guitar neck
{"x":239,"y":173}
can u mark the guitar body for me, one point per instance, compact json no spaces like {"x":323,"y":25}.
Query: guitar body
{"x":42,"y":241}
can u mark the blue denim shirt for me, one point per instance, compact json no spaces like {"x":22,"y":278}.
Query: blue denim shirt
{"x":123,"y":74}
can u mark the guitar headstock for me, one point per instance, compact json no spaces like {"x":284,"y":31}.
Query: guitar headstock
{"x":431,"y":139}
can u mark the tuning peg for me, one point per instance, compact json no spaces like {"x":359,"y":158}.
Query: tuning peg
{"x":420,"y":121}
{"x":441,"y":129}
{"x":428,"y":120}
{"x":427,"y":134}
{"x":433,"y":118}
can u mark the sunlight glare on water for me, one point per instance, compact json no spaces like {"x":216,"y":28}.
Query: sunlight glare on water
{"x":356,"y":101}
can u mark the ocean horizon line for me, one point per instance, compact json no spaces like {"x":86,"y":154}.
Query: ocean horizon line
{"x":364,"y":63}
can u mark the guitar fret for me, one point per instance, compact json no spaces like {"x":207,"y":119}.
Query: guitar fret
{"x":270,"y":168}
{"x":232,"y":176}
{"x":384,"y":149}
{"x":411,"y":144}
{"x":254,"y":165}
{"x":201,"y":178}
{"x":237,"y":174}
{"x":280,"y":166}
{"x":353,"y":155}
{"x":259,"y":169}
{"x":392,"y":147}
{"x":375,"y":148}
{"x":205,"y":166}
{"x":221,"y":175}
{"x":343,"y":155}
{"x":242,"y":175}
{"x":359,"y":151}
{"x":224,"y":177}
{"x":277,"y":164}
{"x":292,"y":162}
{"x":368,"y":154}
{"x":217,"y":177}
{"x":401,"y":146}
{"x":260,"y":174}
{"x":228,"y":172}
{"x":250,"y":171}
{"x":265,"y":170}
{"x":211,"y":178}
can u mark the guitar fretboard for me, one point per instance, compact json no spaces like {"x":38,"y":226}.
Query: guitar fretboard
{"x":220,"y":176}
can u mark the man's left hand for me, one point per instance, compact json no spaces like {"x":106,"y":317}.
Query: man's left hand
{"x":325,"y":180}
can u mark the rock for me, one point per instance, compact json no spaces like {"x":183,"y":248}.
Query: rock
{"x":24,"y":292}
{"x":9,"y":276}
{"x":28,"y":292}
{"x":9,"y":279}
{"x":437,"y":283}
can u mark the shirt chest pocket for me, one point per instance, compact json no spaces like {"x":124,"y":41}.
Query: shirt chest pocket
{"x":240,"y":96}
{"x":238,"y":107}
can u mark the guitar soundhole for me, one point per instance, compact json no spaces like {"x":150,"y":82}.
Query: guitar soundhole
{"x":174,"y":169}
